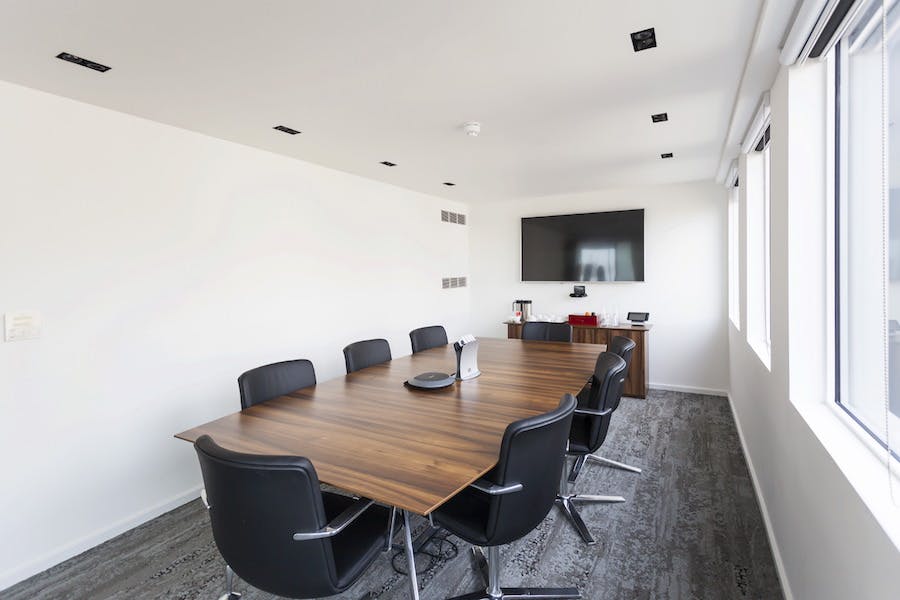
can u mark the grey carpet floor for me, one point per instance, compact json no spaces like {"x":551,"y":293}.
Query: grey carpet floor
{"x":690,"y":528}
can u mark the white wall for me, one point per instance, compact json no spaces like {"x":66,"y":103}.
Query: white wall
{"x":685,"y":275}
{"x":165,"y":263}
{"x":823,"y":493}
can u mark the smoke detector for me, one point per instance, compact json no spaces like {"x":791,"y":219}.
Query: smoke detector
{"x":472,"y":128}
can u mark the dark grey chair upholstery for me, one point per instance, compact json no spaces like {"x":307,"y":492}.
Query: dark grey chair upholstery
{"x":278,"y":531}
{"x":366,"y":353}
{"x":425,"y":338}
{"x":514,"y":497}
{"x":547,"y":332}
{"x":623,"y":347}
{"x":589,"y":428}
{"x":277,"y":379}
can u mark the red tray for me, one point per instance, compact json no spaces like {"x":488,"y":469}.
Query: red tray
{"x":588,"y":320}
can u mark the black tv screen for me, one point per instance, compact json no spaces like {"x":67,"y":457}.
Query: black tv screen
{"x":603,"y":246}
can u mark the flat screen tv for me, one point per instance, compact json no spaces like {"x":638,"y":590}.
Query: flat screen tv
{"x":602,"y":246}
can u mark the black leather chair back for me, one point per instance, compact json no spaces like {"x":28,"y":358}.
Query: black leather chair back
{"x":270,"y":381}
{"x":366,"y":353}
{"x":547,"y":332}
{"x":605,"y":392}
{"x":532,"y":453}
{"x":425,"y":338}
{"x":624,"y":347}
{"x":256,"y":505}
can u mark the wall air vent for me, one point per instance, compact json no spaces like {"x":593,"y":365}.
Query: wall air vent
{"x":454,"y":282}
{"x":82,"y":62}
{"x":452,"y":217}
{"x":644,"y":39}
{"x":286,"y":129}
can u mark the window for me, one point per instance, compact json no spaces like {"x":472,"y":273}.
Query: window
{"x":758,"y":187}
{"x":867,"y":222}
{"x":734,"y":252}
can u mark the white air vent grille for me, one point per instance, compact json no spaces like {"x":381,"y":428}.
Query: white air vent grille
{"x":452,"y":217}
{"x":454,"y":282}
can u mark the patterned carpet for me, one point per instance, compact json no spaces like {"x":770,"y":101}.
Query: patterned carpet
{"x":691,"y":528}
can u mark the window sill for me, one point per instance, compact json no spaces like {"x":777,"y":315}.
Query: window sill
{"x":763,"y":353}
{"x":860,"y":459}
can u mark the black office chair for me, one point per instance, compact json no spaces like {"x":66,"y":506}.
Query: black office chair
{"x":589,"y":428}
{"x":278,"y":531}
{"x":277,"y":379}
{"x":623,"y":347}
{"x":513,"y":498}
{"x":425,"y":338}
{"x":366,"y":353}
{"x":547,"y":332}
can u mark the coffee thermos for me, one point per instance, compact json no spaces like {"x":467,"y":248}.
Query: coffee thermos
{"x":522,"y":307}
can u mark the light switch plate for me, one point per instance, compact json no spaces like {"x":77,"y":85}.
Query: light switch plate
{"x":22,"y":325}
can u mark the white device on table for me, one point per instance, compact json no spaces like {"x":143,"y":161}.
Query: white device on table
{"x":466,"y":358}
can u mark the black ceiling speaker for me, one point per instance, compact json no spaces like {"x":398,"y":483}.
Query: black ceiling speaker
{"x":77,"y":60}
{"x":659,"y":117}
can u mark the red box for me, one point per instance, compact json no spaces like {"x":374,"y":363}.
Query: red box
{"x":585,"y":320}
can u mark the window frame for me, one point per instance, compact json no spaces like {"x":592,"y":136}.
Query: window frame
{"x":759,"y":334}
{"x":840,"y":192}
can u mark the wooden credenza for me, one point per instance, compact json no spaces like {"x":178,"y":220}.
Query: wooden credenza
{"x":638,"y":374}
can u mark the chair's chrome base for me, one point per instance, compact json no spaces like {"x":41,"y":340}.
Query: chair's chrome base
{"x":613,"y":463}
{"x":567,"y":504}
{"x":491,"y":577}
{"x":229,"y":585}
{"x":581,"y":460}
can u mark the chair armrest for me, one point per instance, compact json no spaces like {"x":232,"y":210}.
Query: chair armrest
{"x":593,"y":412}
{"x":483,"y":485}
{"x":339,"y":523}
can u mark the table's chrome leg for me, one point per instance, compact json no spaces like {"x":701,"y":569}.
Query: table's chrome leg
{"x":410,"y":558}
{"x":391,"y":522}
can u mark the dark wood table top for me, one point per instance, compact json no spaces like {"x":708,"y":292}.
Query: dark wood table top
{"x":369,"y":434}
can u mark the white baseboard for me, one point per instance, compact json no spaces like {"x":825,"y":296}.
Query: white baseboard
{"x":688,"y":389}
{"x":770,"y":532}
{"x":25,"y":570}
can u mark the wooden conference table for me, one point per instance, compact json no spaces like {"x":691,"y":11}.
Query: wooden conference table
{"x":369,"y":434}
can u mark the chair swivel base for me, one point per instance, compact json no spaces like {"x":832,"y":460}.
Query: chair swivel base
{"x":230,"y":596}
{"x":567,"y":504}
{"x":493,"y":591}
{"x":582,"y":459}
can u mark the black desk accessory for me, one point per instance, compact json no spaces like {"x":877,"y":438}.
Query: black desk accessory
{"x":638,"y":318}
{"x":578,"y":292}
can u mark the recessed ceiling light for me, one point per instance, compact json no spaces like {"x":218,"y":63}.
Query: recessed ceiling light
{"x":644,"y":39}
{"x":82,"y":62}
{"x":666,"y":155}
{"x":660,"y":117}
{"x":388,"y":163}
{"x":286,"y":129}
{"x":449,"y":183}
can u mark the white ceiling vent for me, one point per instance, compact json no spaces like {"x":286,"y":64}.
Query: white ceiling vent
{"x":452,"y":217}
{"x":454,"y":282}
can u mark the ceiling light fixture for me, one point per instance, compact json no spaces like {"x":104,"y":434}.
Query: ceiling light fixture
{"x":77,"y":60}
{"x":666,"y":155}
{"x":472,"y":128}
{"x":286,"y":129}
{"x":644,"y":39}
{"x":388,"y":163}
{"x":660,"y":117}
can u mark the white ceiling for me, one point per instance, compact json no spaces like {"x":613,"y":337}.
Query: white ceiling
{"x":564,"y":101}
